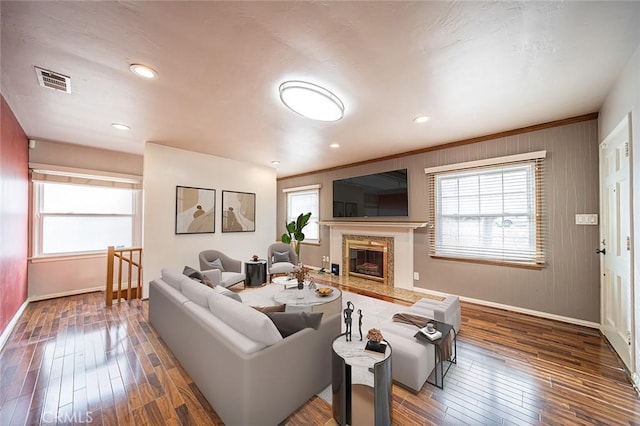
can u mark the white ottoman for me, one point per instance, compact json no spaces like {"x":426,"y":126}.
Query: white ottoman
{"x":412,"y":360}
{"x":446,"y":311}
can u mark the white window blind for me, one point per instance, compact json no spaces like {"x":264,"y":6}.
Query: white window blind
{"x":78,"y":213}
{"x":489,"y":211}
{"x":304,"y":200}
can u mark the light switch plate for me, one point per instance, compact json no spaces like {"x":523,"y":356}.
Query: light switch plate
{"x":586,"y":219}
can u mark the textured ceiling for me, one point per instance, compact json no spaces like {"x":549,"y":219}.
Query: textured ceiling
{"x":475,"y":67}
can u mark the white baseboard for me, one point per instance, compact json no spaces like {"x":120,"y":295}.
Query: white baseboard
{"x":9,"y":328}
{"x":65,"y":293}
{"x":539,"y":314}
{"x":71,"y":293}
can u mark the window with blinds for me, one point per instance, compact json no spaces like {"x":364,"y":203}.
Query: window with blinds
{"x":77,"y":213}
{"x":304,"y":200}
{"x":489,"y":211}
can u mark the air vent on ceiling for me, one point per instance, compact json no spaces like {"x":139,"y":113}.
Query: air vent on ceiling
{"x":53,"y":80}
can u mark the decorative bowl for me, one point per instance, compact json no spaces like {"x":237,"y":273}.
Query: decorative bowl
{"x":324,"y":291}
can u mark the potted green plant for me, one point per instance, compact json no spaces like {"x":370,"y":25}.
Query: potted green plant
{"x":294,"y":234}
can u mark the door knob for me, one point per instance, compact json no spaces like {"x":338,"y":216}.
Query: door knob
{"x":603,"y":251}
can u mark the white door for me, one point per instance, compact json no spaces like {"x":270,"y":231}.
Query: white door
{"x":615,"y":233}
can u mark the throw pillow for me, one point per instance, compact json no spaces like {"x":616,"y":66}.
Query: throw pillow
{"x":194,"y":274}
{"x":275,"y":308}
{"x":280,"y":256}
{"x":288,"y":323}
{"x":217,"y":264}
{"x":207,"y":281}
{"x":253,"y":324}
{"x":223,"y":291}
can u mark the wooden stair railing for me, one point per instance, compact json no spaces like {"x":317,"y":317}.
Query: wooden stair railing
{"x":133,"y":257}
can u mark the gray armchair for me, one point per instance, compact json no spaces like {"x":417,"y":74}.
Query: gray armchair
{"x":281,"y":259}
{"x":221,"y":269}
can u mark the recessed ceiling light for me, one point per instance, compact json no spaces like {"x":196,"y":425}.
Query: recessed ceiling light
{"x":275,"y":162}
{"x":421,"y":119}
{"x":311,"y":101}
{"x":143,"y":71}
{"x":334,"y":145}
{"x":121,"y":126}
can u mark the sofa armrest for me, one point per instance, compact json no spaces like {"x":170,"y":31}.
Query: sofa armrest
{"x":215,"y":275}
{"x":232,"y":265}
{"x":272,"y":371}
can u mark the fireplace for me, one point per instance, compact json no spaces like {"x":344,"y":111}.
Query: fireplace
{"x":397,"y":235}
{"x":368,"y":262}
{"x":369,"y":257}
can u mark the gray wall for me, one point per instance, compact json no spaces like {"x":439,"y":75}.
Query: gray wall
{"x":569,"y":284}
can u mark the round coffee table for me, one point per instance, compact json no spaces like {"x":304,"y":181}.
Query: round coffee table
{"x":310,"y":301}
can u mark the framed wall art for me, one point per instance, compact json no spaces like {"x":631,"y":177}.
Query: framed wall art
{"x":238,"y":211}
{"x":195,"y":210}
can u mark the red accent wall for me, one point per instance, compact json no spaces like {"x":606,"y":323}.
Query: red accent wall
{"x":14,"y":213}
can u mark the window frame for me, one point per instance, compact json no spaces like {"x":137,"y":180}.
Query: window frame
{"x":288,"y":192}
{"x":38,"y":217}
{"x":539,"y":231}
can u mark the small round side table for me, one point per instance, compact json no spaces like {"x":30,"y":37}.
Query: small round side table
{"x":255,"y":272}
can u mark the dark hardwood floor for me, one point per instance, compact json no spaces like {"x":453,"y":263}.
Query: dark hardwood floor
{"x":72,"y":360}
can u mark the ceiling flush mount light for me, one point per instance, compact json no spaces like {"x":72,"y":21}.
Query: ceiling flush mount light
{"x":143,"y":71}
{"x":120,"y":126}
{"x":334,"y":145}
{"x":311,"y":101}
{"x":275,"y":162}
{"x":421,"y":119}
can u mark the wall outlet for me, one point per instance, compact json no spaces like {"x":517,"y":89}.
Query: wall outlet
{"x":416,"y":276}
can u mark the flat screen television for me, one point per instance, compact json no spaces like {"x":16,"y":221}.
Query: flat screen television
{"x":375,"y":195}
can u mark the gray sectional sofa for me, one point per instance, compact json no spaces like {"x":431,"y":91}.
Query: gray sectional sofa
{"x":249,"y":374}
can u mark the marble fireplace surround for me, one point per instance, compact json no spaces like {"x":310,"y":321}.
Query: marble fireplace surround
{"x":401,"y":234}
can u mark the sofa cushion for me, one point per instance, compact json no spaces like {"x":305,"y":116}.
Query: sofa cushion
{"x":223,"y":291}
{"x":196,"y":292}
{"x":170,"y":291}
{"x":282,"y":267}
{"x":289,"y":323}
{"x":231,"y":278}
{"x":281,"y":256}
{"x":217,"y":264}
{"x":172,"y":278}
{"x":222,"y":329}
{"x":253,"y":324}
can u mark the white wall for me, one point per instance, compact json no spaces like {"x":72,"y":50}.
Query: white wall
{"x":164,"y":169}
{"x":624,"y":97}
{"x":74,"y":274}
